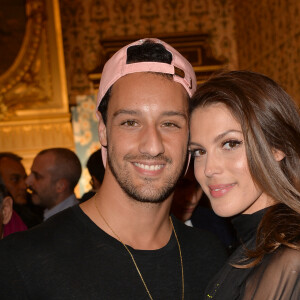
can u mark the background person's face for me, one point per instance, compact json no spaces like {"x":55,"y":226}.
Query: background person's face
{"x":221,"y":165}
{"x":187,"y":195}
{"x":14,"y":175}
{"x":147,"y":135}
{"x":40,"y":180}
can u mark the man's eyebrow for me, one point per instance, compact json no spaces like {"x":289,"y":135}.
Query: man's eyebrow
{"x":218,"y":137}
{"x":136,"y":113}
{"x":36,"y":173}
{"x":16,"y":175}
{"x":126,"y":112}
{"x":172,"y":113}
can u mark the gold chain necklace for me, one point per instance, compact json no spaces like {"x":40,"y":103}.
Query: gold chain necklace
{"x":133,"y":260}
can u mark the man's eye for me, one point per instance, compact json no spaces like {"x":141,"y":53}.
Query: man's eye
{"x":37,"y":176}
{"x":198,"y":152}
{"x":130,"y":123}
{"x":170,"y":124}
{"x":15,"y":179}
{"x":232,"y":144}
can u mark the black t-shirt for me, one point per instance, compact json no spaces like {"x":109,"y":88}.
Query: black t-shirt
{"x":70,"y":257}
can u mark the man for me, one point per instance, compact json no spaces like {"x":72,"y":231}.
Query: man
{"x":10,"y":221}
{"x":122,"y":244}
{"x":6,"y":207}
{"x":54,"y":174}
{"x":186,"y":197}
{"x":13,"y":174}
{"x":96,"y":170}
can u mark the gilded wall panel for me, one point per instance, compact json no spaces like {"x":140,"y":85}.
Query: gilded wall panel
{"x":268,"y":40}
{"x":85,"y":23}
{"x":34,"y":110}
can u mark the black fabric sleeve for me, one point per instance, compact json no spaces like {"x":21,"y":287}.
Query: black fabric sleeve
{"x":278,"y":277}
{"x":11,"y":282}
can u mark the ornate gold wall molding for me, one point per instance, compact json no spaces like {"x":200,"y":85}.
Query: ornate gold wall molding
{"x":86,"y":23}
{"x":28,"y":138}
{"x":17,"y":78}
{"x":193,"y":45}
{"x":34,"y":109}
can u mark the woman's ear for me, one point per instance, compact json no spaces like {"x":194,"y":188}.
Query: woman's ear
{"x":278,"y":154}
{"x":102,"y":132}
{"x":7,"y":209}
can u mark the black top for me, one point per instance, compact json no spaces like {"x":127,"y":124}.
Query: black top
{"x":70,"y":257}
{"x":276,"y":277}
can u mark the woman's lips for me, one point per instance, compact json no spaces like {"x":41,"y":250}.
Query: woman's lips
{"x":220,"y":190}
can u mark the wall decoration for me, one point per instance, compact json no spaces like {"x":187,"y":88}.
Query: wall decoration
{"x":34,"y":108}
{"x":268,"y":39}
{"x":85,"y":26}
{"x":85,"y":128}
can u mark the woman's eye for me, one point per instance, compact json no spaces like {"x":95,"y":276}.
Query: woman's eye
{"x":230,"y":145}
{"x":198,"y":152}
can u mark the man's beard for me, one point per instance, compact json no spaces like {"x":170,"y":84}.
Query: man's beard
{"x":145,"y":192}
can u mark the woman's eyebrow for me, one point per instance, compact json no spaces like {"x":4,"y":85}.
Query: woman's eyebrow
{"x":223,"y":134}
{"x":218,"y":137}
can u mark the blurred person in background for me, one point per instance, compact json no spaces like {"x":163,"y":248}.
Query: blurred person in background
{"x":96,"y":170}
{"x":187,"y":195}
{"x":54,"y":174}
{"x":10,"y":222}
{"x":14,"y":175}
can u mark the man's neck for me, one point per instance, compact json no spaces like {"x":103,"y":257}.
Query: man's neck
{"x":140,"y":225}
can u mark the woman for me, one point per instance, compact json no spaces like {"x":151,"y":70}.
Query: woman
{"x":245,"y":138}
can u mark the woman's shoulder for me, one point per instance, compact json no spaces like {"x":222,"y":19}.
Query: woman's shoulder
{"x":280,"y":269}
{"x":288,"y":258}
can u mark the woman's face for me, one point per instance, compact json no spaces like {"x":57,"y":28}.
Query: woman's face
{"x":221,"y":166}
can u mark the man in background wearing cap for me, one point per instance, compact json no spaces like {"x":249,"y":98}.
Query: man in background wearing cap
{"x":122,"y":244}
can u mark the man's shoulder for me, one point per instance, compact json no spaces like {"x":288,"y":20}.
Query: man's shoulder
{"x":56,"y":228}
{"x":195,"y":233}
{"x":197,"y":239}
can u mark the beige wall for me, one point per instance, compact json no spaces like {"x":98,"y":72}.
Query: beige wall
{"x":268,"y":40}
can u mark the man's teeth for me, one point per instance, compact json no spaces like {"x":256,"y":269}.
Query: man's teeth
{"x":149,"y":167}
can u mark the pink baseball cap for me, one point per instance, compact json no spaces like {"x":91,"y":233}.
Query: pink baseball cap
{"x":117,"y":67}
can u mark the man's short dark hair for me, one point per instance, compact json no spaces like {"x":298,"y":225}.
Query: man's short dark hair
{"x":67,"y":165}
{"x":3,"y":191}
{"x":95,"y":165}
{"x":149,"y":51}
{"x":11,"y":155}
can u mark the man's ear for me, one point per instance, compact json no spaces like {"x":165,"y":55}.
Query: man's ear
{"x":278,"y":154}
{"x":7,"y":209}
{"x":61,"y":185}
{"x":102,"y":132}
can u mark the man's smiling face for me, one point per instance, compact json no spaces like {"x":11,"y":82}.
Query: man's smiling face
{"x":146,"y":135}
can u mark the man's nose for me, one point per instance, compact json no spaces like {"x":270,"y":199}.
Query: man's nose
{"x":151,"y":141}
{"x":28,"y":180}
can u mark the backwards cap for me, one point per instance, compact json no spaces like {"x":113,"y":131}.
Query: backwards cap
{"x":117,"y":67}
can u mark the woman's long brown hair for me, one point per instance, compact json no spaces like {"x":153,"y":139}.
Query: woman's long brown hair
{"x":270,"y":122}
